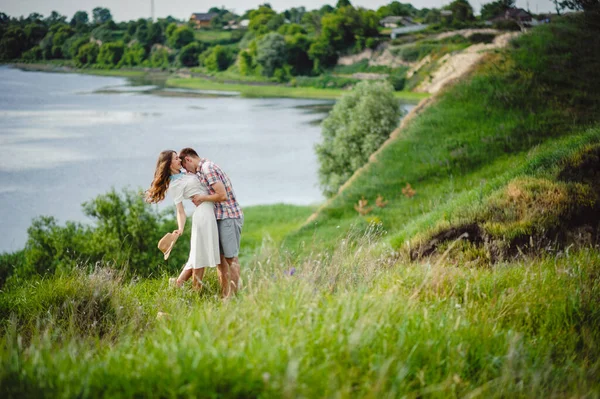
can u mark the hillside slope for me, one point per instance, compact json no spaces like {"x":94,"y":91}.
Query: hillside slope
{"x":544,"y":87}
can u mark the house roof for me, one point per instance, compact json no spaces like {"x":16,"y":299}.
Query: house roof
{"x":397,"y":20}
{"x":199,"y":16}
{"x":513,"y":13}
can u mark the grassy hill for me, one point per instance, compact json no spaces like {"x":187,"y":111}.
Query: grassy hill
{"x":509,"y":155}
{"x":475,"y":138}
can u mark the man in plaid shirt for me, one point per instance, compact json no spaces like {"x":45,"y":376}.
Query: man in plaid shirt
{"x":228,"y":213}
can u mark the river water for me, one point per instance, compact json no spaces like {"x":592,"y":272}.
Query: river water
{"x":66,"y":138}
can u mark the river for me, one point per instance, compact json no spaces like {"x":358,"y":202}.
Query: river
{"x":67,"y":138}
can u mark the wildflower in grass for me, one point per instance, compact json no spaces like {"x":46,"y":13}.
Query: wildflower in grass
{"x":408,"y":191}
{"x":380,"y":202}
{"x":362,"y":208}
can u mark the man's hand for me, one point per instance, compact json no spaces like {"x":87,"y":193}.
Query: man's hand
{"x":178,"y":232}
{"x":197,"y":199}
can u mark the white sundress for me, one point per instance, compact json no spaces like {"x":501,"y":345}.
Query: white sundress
{"x":204,"y":248}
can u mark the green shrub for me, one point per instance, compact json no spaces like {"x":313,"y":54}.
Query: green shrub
{"x":271,"y":53}
{"x":188,"y":56}
{"x":134,"y":55}
{"x":358,"y":124}
{"x":245,"y":63}
{"x":33,"y":54}
{"x":110,"y":54}
{"x":217,"y":58}
{"x":87,"y":54}
{"x":159,"y":58}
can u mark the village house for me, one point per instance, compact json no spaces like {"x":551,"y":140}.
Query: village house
{"x":202,"y":20}
{"x":394,"y":22}
{"x":515,"y":14}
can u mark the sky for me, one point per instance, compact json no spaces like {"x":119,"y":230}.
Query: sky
{"x":124,"y":10}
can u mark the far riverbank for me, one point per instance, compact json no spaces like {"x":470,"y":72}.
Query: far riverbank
{"x":186,"y":80}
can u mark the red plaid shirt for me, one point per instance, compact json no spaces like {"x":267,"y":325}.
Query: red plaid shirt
{"x":210,"y":173}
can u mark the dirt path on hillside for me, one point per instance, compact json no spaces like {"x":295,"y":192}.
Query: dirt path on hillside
{"x":454,"y":66}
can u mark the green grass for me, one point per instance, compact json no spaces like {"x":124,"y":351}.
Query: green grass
{"x":349,"y":317}
{"x":275,"y":91}
{"x":269,"y":224}
{"x":343,"y":325}
{"x":475,"y":132}
{"x":213,"y":36}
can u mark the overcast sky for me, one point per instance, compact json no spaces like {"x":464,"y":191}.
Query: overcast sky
{"x":181,"y":9}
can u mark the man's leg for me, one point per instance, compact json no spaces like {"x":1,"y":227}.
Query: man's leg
{"x":234,"y":272}
{"x":223,"y":271}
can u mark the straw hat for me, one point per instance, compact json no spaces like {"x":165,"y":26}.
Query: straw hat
{"x":166,"y":244}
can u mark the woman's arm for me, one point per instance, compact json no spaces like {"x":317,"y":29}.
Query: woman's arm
{"x":180,"y":219}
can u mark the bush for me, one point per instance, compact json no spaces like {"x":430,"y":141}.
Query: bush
{"x":87,"y":54}
{"x":188,"y":56}
{"x":124,"y":236}
{"x":507,"y":25}
{"x":482,"y":38}
{"x":179,"y":37}
{"x":398,"y":80}
{"x":358,"y":124}
{"x":33,"y":54}
{"x":271,"y":53}
{"x":159,"y":58}
{"x":110,"y":54}
{"x":72,"y":45}
{"x":217,"y":58}
{"x":245,"y":63}
{"x":134,"y":55}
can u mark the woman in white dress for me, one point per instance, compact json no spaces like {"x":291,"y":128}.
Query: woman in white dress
{"x":204,"y":248}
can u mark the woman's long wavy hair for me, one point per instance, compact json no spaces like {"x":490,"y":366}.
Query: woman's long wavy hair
{"x":162,"y":175}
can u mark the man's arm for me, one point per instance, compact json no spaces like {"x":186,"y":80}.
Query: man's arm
{"x":220,"y":195}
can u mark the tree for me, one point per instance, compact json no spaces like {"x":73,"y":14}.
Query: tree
{"x":87,"y":54}
{"x":294,"y":15}
{"x":588,"y":6}
{"x":12,"y":43}
{"x":496,"y":8}
{"x":396,"y":8}
{"x":434,"y":16}
{"x":142,"y":34}
{"x":245,"y":63}
{"x":343,"y":3}
{"x":297,"y":48}
{"x":322,"y":54}
{"x":461,"y":11}
{"x":134,"y":55}
{"x":261,"y":18}
{"x":111,"y":53}
{"x":159,"y":58}
{"x":180,"y":36}
{"x":56,"y":18}
{"x":188,"y":56}
{"x":155,"y":34}
{"x":271,"y":53}
{"x":72,"y":45}
{"x":79,"y":18}
{"x":357,"y":126}
{"x":101,"y":15}
{"x":35,"y":32}
{"x":218,"y":59}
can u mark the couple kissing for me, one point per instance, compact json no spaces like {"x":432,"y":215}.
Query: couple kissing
{"x":217,"y":219}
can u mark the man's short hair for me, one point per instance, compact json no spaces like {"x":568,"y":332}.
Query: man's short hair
{"x":188,"y":152}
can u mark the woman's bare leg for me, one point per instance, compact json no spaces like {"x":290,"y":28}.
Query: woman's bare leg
{"x":184,"y":276}
{"x":197,"y":276}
